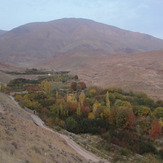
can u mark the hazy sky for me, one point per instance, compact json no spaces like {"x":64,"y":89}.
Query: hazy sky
{"x":145,"y":16}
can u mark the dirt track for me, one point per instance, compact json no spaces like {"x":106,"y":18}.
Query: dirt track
{"x":81,"y":151}
{"x":87,"y":155}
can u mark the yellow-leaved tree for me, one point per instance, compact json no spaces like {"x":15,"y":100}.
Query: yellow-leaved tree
{"x":46,"y":85}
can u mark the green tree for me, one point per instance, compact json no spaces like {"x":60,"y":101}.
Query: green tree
{"x":71,"y":124}
{"x":122,"y":104}
{"x":107,"y":100}
{"x":158,"y":112}
{"x":143,"y":125}
{"x":141,"y":110}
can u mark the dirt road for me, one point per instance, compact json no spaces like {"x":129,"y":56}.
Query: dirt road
{"x":87,"y":155}
{"x":81,"y":151}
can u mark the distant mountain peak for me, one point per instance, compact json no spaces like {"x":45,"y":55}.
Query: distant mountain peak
{"x":35,"y":42}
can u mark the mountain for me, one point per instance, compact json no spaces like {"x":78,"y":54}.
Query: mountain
{"x":4,"y":77}
{"x":35,"y":43}
{"x":137,"y":72}
{"x":7,"y":67}
{"x":2,"y":32}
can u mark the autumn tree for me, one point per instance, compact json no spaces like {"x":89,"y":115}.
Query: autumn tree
{"x":83,"y":85}
{"x":91,"y":92}
{"x":74,"y":86}
{"x":73,"y":107}
{"x":97,"y":109}
{"x":125,"y":119}
{"x":81,"y":98}
{"x":46,"y":85}
{"x":155,"y":129}
{"x":85,"y":110}
{"x":71,"y":98}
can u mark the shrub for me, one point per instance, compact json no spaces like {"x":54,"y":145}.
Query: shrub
{"x":124,"y":152}
{"x":71,"y":124}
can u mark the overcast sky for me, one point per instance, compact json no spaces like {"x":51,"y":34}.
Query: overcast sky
{"x":145,"y":16}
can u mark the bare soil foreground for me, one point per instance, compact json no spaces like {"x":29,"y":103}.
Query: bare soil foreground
{"x":22,"y":141}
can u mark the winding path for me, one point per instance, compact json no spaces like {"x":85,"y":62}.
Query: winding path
{"x":81,"y":151}
{"x":87,"y":155}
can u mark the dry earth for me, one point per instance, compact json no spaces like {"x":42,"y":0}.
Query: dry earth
{"x":23,"y":141}
{"x":138,"y":72}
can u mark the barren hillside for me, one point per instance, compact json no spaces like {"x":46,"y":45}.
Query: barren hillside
{"x":22,"y":141}
{"x":137,"y":72}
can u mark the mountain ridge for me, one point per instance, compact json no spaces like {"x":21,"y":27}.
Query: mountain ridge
{"x":2,"y":32}
{"x":34,"y":43}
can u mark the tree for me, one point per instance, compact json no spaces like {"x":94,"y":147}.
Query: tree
{"x":56,"y":94}
{"x":122,"y":104}
{"x":85,"y":110}
{"x":71,"y":98}
{"x":113,"y":117}
{"x":155,"y":129}
{"x":74,"y":86}
{"x":83,"y":85}
{"x":54,"y":110}
{"x":106,"y":114}
{"x":158,"y":112}
{"x":125,"y":119}
{"x":92,"y":92}
{"x":91,"y":116}
{"x":46,"y":85}
{"x":142,"y":110}
{"x":143,"y":125}
{"x":107,"y":101}
{"x":81,"y":98}
{"x":97,"y":109}
{"x":73,"y":107}
{"x":78,"y":111}
{"x":71,"y":124}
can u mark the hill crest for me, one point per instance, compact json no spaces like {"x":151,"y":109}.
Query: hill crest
{"x":35,"y":43}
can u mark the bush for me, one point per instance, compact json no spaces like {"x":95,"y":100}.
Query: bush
{"x":57,"y":128}
{"x":71,"y":124}
{"x":161,"y":153}
{"x":124,"y":152}
{"x":133,"y":142}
